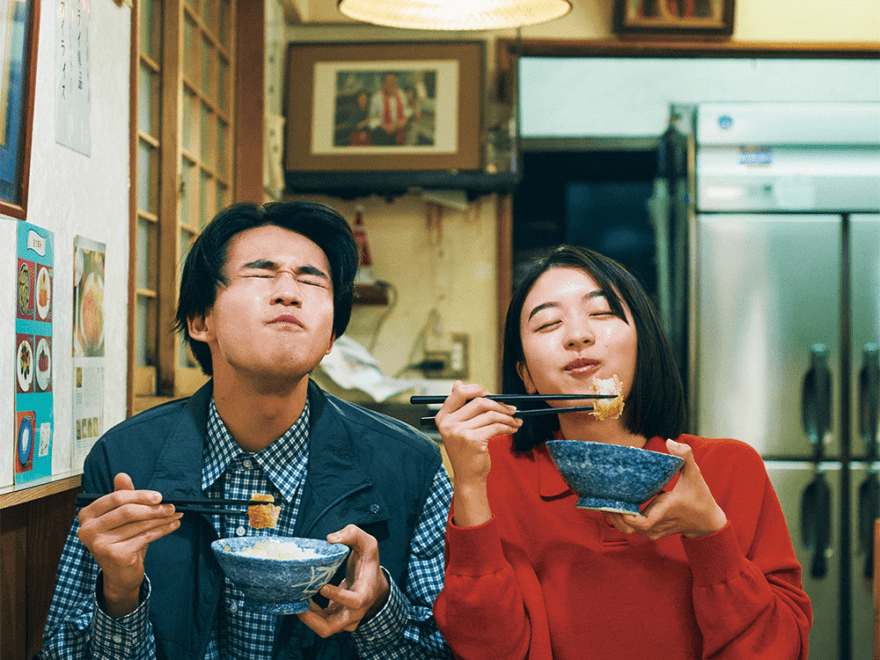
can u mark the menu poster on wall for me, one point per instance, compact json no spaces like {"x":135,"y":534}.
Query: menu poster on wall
{"x":88,"y":346}
{"x":34,"y":412}
{"x":73,"y":88}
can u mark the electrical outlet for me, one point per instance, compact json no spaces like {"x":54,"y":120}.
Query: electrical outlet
{"x":455,"y":361}
{"x":460,"y":359}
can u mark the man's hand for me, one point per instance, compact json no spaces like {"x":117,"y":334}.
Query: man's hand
{"x":688,"y":509}
{"x":362,"y":593}
{"x":117,"y":529}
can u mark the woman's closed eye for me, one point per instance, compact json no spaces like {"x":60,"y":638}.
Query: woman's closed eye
{"x":546,"y":323}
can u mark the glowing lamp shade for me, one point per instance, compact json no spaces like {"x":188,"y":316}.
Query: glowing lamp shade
{"x":454,"y":14}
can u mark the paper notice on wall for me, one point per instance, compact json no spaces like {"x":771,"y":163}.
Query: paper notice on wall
{"x":88,"y":410}
{"x":34,"y":355}
{"x":73,"y":91}
{"x":88,"y":347}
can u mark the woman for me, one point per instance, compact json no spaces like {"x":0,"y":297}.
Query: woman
{"x":707,"y":569}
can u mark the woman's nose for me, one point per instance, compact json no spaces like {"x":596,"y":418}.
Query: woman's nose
{"x":579,"y":333}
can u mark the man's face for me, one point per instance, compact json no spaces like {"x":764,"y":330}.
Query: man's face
{"x":273,"y":322}
{"x":389,"y":83}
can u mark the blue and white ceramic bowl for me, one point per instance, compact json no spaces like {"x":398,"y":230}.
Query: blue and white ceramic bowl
{"x":271,"y":576}
{"x":612,"y":477}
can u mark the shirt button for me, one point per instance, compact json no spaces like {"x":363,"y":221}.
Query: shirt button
{"x":248,"y":463}
{"x":374,"y":508}
{"x":233,"y":608}
{"x":117,"y":639}
{"x":240,"y":531}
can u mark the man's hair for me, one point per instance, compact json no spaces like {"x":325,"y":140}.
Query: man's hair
{"x":203,"y":271}
{"x":655,"y":405}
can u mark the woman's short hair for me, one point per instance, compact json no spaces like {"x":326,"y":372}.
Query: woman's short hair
{"x":655,"y":405}
{"x":206,"y":260}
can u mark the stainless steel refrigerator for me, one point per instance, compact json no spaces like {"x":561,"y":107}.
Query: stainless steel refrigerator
{"x":784,"y":327}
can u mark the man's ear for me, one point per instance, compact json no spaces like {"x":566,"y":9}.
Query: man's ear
{"x":332,"y":341}
{"x":199,"y":328}
{"x":523,"y":370}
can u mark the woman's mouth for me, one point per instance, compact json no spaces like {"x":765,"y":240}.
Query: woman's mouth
{"x":580,"y":365}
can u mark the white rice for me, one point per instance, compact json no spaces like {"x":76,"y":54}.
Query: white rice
{"x":278,"y":550}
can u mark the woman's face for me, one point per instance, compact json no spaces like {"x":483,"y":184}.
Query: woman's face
{"x":570,"y":335}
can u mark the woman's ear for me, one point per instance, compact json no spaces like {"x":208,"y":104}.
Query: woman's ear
{"x":523,"y":370}
{"x":199,"y":328}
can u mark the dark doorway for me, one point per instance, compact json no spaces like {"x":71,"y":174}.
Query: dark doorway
{"x":597,"y":199}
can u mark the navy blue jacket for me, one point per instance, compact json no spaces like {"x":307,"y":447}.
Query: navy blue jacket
{"x":364,"y":469}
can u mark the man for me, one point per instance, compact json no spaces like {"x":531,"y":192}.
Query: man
{"x":389,"y":113}
{"x":264,"y":293}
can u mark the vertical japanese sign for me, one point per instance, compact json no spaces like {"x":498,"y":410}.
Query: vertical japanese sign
{"x":73,"y":93}
{"x":88,"y":346}
{"x":34,"y":413}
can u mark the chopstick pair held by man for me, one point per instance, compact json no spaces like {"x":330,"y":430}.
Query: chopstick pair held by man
{"x":706,"y":570}
{"x":265,"y":292}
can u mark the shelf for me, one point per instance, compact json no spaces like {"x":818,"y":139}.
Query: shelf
{"x":28,"y":494}
{"x":351,"y":185}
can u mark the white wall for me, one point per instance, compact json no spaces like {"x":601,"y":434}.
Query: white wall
{"x":609,"y":97}
{"x":72,"y":194}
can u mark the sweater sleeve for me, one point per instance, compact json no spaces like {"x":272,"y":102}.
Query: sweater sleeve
{"x":747,"y":592}
{"x":513,"y":622}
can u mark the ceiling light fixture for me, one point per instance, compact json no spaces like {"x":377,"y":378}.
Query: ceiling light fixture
{"x":454,"y":14}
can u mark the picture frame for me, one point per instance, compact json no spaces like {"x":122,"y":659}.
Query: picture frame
{"x":19,"y":31}
{"x":674,"y":17}
{"x":384,"y":107}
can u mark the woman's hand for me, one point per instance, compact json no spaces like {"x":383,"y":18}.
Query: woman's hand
{"x":466,"y":423}
{"x":688,"y":509}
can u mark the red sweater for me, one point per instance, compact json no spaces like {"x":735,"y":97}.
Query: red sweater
{"x":548,"y":581}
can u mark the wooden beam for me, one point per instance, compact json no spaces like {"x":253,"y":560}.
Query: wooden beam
{"x":249,"y":58}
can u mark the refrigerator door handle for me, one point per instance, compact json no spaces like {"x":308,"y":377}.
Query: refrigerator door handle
{"x":816,"y":399}
{"x":869,"y":511}
{"x":816,"y":523}
{"x":869,"y":397}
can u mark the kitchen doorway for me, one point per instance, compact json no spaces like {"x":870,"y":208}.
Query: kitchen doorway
{"x":596,"y":199}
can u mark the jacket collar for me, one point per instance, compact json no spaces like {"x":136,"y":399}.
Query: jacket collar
{"x":333,"y":473}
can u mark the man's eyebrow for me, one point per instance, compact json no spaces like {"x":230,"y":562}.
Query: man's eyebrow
{"x":268,"y":264}
{"x":598,"y":293}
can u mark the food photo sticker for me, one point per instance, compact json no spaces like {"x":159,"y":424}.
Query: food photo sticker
{"x":24,"y":364}
{"x":44,"y":364}
{"x":43,"y":293}
{"x":25,"y":427}
{"x":25,"y":290}
{"x":89,"y":319}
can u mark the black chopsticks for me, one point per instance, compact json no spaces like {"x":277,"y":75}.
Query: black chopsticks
{"x":189,"y":504}
{"x":515,"y":398}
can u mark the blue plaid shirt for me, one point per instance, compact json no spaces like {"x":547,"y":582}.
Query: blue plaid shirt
{"x":404,"y":628}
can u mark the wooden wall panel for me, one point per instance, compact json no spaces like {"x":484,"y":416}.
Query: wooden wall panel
{"x":32,"y":537}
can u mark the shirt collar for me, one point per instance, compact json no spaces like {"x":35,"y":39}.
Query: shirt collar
{"x":289,"y":449}
{"x":551,"y":484}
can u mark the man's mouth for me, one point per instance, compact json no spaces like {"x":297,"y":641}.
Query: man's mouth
{"x":286,"y":319}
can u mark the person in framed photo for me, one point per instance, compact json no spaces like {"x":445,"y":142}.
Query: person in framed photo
{"x":352,"y":120}
{"x":389,"y":113}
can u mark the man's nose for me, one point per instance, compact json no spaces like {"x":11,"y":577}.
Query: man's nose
{"x":285,"y":289}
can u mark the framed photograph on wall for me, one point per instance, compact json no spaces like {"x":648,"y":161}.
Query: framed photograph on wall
{"x":19,"y":21}
{"x":388,"y":107}
{"x":674,"y":17}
